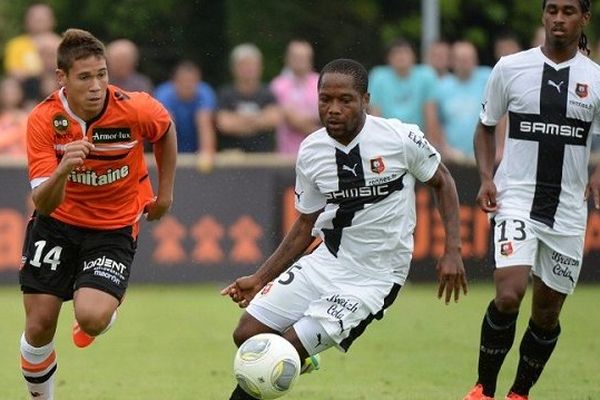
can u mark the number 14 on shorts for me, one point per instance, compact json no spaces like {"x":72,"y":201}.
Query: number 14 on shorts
{"x":51,"y":256}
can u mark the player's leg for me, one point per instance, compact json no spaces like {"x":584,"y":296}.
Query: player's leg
{"x":555,"y":276}
{"x":275,"y":308}
{"x":95,"y":312}
{"x":540,"y":338}
{"x":38,"y":357}
{"x":46,"y":279}
{"x":515,"y":249}
{"x":106,"y":258}
{"x":247,"y":327}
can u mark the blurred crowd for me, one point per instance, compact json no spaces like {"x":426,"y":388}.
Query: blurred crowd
{"x":442,"y":95}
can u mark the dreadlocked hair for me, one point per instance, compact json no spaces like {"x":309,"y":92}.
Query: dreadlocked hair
{"x":586,"y":6}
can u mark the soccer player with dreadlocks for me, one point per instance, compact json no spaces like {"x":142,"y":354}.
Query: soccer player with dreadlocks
{"x":537,"y":199}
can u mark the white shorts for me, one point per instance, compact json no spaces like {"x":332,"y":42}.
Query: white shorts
{"x":555,"y":258}
{"x":341,"y":301}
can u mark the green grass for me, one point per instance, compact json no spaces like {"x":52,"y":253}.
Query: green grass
{"x":174,"y":342}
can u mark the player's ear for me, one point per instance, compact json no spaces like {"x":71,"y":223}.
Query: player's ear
{"x":366,"y":99}
{"x":61,"y":77}
{"x":586,"y":19}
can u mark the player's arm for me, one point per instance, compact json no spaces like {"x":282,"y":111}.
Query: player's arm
{"x":165,"y":153}
{"x":207,"y":138}
{"x":51,"y":193}
{"x":451,"y":272}
{"x":484,"y":142}
{"x":293,"y":245}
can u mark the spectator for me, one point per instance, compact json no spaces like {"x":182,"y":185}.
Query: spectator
{"x":296,"y":93}
{"x":191,"y":103}
{"x":438,"y":57}
{"x":40,"y":86}
{"x":402,"y":89}
{"x":21,"y":57}
{"x":458,"y":100}
{"x":123,"y":57}
{"x":248,"y":112}
{"x":539,"y":36}
{"x":506,"y":44}
{"x":13,"y":119}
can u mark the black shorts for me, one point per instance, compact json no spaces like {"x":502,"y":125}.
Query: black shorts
{"x":59,"y":258}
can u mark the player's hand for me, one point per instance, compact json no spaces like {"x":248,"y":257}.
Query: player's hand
{"x":486,"y":198}
{"x":452,"y":277}
{"x":593,"y":188}
{"x":157,"y":208}
{"x":74,"y":155}
{"x":243,"y":290}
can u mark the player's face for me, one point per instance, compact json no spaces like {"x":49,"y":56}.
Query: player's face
{"x":342,"y":108}
{"x":85,"y":85}
{"x":563,"y":21}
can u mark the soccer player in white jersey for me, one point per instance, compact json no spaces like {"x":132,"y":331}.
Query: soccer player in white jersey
{"x":355,"y":190}
{"x":537,"y":198}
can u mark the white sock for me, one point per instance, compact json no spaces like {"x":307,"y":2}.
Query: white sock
{"x":110,"y":324}
{"x":38,"y":365}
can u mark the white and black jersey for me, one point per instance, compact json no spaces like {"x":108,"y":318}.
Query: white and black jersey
{"x":553,"y":109}
{"x":367,"y":191}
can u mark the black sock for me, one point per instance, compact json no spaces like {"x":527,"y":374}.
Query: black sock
{"x":239,"y":394}
{"x":536,"y":347}
{"x":497,"y":336}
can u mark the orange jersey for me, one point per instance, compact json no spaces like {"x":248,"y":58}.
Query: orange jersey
{"x":112,"y":188}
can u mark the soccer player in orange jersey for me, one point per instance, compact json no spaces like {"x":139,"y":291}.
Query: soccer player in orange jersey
{"x":90,"y":186}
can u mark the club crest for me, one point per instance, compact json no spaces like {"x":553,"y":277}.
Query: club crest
{"x":581,"y":90}
{"x":377,"y":165}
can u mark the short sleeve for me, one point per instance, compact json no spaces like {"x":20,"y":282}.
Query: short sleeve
{"x":41,"y":155}
{"x":308,"y":198}
{"x":422,"y":159}
{"x":207,"y":100}
{"x":495,"y":103}
{"x":154,"y":120}
{"x":430,"y":82}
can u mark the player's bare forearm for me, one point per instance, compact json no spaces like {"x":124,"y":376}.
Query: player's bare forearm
{"x":293,"y":245}
{"x":165,"y":153}
{"x":484,"y":143}
{"x":447,"y":198}
{"x":50,"y":194}
{"x":451,"y":272}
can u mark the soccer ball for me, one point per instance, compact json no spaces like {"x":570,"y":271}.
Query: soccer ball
{"x":266,"y":366}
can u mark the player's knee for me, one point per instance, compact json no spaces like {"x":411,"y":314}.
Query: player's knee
{"x":241,"y":334}
{"x":92,"y":322}
{"x":546,"y":318}
{"x":509,"y":301}
{"x":40,"y":331}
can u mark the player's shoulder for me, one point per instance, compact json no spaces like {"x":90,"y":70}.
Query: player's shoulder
{"x":48,"y":107}
{"x":316,"y":139}
{"x":519,"y":59}
{"x":591,"y":68}
{"x":132,"y":102}
{"x":390,"y":126}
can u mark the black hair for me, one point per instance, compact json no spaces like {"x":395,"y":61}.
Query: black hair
{"x":586,"y":6}
{"x":351,"y":68}
{"x":77,"y":44}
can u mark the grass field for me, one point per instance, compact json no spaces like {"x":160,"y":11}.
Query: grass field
{"x":174,"y":342}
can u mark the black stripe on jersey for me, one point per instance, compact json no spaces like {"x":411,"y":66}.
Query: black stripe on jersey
{"x":553,"y":130}
{"x":98,"y":157}
{"x":41,"y":379}
{"x":360,"y":328}
{"x":101,"y":157}
{"x":352,"y":195}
